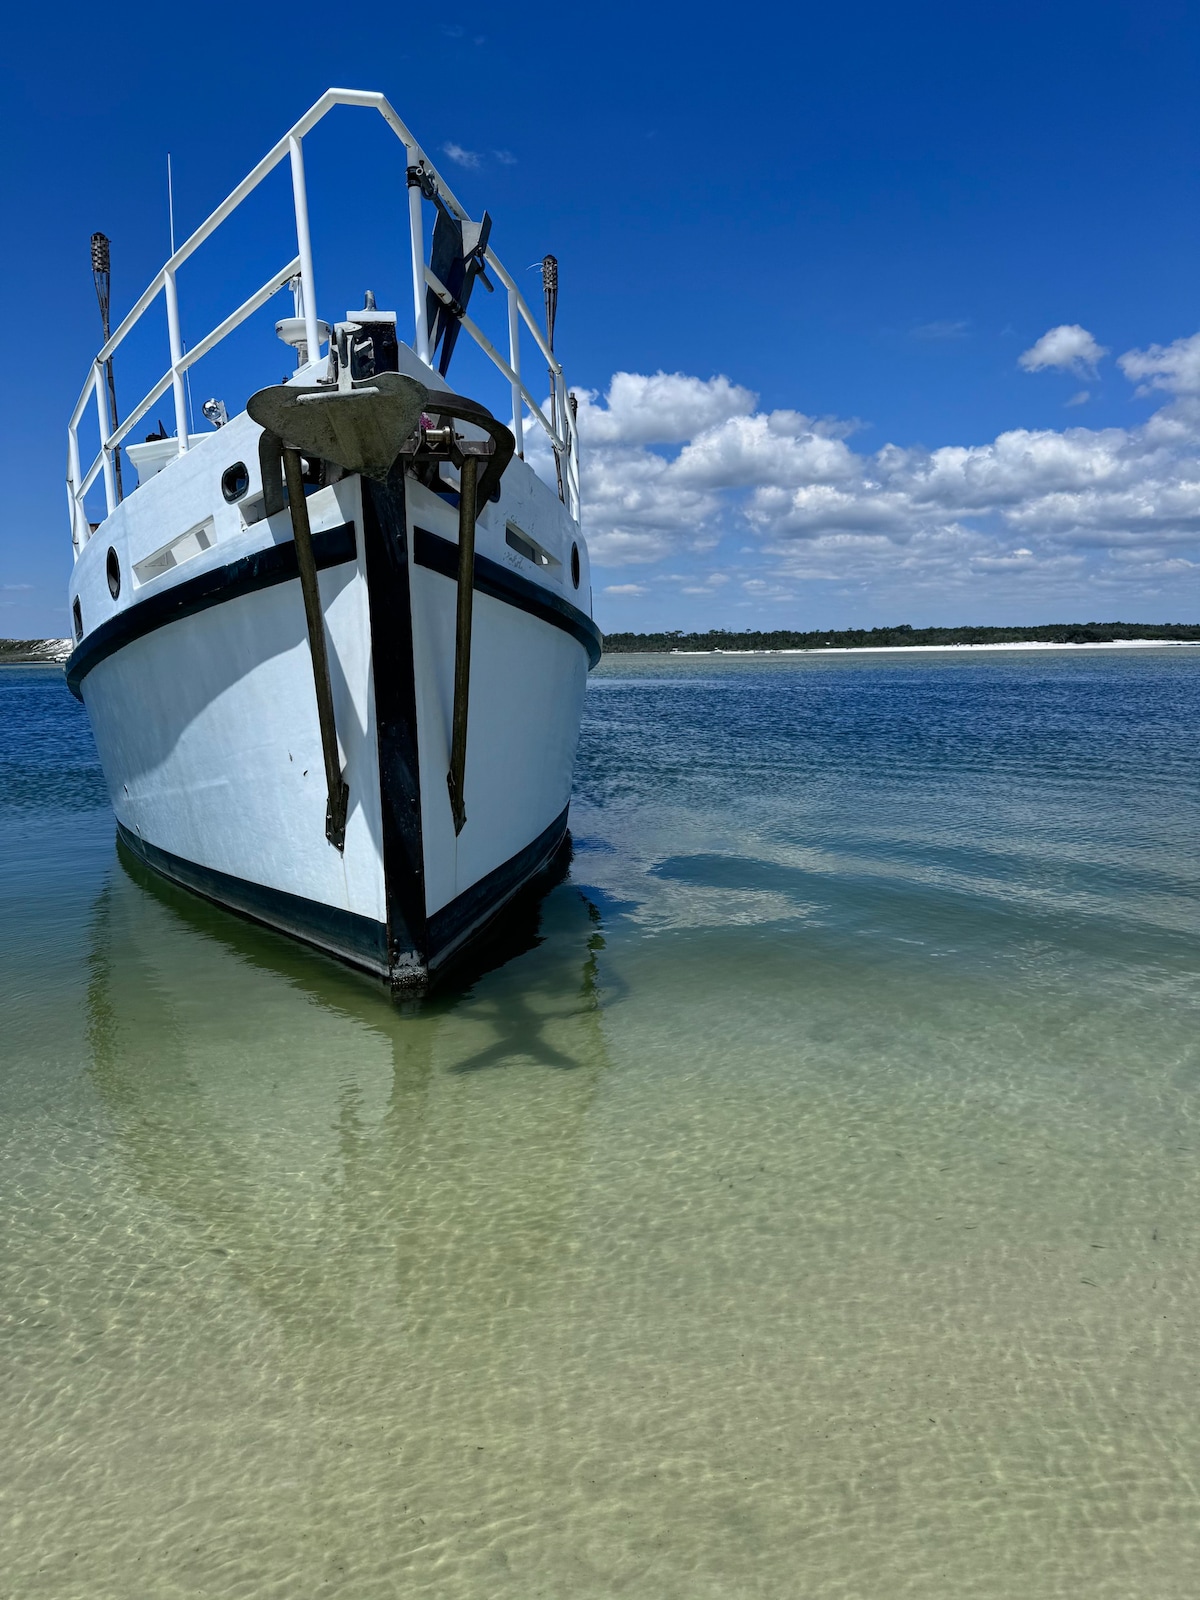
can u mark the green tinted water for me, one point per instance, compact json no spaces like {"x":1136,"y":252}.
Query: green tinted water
{"x":813,"y":1211}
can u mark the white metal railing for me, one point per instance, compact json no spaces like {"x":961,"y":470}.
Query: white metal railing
{"x":562,"y":438}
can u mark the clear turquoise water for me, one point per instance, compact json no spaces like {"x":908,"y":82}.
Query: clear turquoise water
{"x":813,"y":1211}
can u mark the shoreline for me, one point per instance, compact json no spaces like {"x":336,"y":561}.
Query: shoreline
{"x":915,"y":649}
{"x":34,"y":652}
{"x":53,"y":652}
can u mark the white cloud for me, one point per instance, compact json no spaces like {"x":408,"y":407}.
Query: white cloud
{"x":1173,"y":367}
{"x":461,"y":157}
{"x":1068,"y":347}
{"x":674,"y":464}
{"x":945,"y":329}
{"x":664,"y":408}
{"x":781,"y":447}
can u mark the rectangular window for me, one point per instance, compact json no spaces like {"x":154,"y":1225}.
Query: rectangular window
{"x":182,"y":548}
{"x":527,"y":547}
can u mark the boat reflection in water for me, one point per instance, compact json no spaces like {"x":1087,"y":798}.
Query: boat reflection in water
{"x":351,"y":1175}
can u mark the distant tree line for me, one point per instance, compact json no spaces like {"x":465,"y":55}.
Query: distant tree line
{"x":902,"y":634}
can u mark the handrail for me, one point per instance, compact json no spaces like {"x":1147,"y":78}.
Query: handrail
{"x":246,"y":309}
{"x":300,"y":271}
{"x":489,"y":349}
{"x":509,"y":282}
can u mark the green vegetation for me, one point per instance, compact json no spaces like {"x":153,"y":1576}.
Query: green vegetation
{"x":903,"y":634}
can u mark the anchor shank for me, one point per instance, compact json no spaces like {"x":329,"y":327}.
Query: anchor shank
{"x":339,"y":794}
{"x":468,"y":478}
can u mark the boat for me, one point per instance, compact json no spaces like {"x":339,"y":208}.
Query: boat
{"x":334,"y":649}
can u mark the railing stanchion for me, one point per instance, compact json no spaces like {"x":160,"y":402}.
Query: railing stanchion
{"x":176,"y":339}
{"x":304,"y":249}
{"x":514,"y":361}
{"x":74,"y":474}
{"x":110,"y":481}
{"x":416,"y":230}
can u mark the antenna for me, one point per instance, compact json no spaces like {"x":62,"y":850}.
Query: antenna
{"x":550,"y":292}
{"x":102,"y":278}
{"x":187,"y":377}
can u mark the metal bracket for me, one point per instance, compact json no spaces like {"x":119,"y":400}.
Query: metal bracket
{"x":419,"y":177}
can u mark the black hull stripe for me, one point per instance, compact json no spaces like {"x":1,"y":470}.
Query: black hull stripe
{"x":441,"y":555}
{"x":260,"y":570}
{"x":469,"y":914}
{"x":359,"y":941}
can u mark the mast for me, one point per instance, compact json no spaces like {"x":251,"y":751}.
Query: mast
{"x":101,"y":277}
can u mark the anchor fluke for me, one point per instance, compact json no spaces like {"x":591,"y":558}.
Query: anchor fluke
{"x":360,"y":427}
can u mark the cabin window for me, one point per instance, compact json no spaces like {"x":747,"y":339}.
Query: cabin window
{"x":77,"y":618}
{"x":182,"y":548}
{"x":575,"y":565}
{"x":235,"y":480}
{"x":112,"y":568}
{"x":516,"y":540}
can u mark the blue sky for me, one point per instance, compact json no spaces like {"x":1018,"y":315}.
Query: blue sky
{"x":835,"y":234}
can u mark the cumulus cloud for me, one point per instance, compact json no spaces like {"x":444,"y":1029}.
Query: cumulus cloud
{"x":779,"y":447}
{"x":664,"y":408}
{"x":674,"y":464}
{"x":1173,"y":367}
{"x":1068,"y":347}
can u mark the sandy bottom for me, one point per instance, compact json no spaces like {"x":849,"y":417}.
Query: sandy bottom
{"x":815,"y":1211}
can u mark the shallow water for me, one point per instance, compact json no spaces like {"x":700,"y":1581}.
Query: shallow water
{"x":813,"y":1211}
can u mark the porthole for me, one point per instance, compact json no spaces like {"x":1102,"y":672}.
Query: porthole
{"x":113,"y":569}
{"x":575,"y":565}
{"x":235,"y":480}
{"x":77,"y":618}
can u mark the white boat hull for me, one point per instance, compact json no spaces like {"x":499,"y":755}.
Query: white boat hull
{"x":199,"y":687}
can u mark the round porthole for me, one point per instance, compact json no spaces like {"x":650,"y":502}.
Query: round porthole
{"x":235,"y":480}
{"x":113,"y":568}
{"x":575,"y":565}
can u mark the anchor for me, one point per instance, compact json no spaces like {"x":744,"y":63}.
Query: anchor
{"x":373,"y":426}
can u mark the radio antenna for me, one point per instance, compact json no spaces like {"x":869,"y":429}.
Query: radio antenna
{"x":102,"y":278}
{"x":187,"y":377}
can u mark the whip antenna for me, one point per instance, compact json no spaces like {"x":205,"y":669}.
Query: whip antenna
{"x":550,"y":293}
{"x":102,"y":278}
{"x":187,"y":376}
